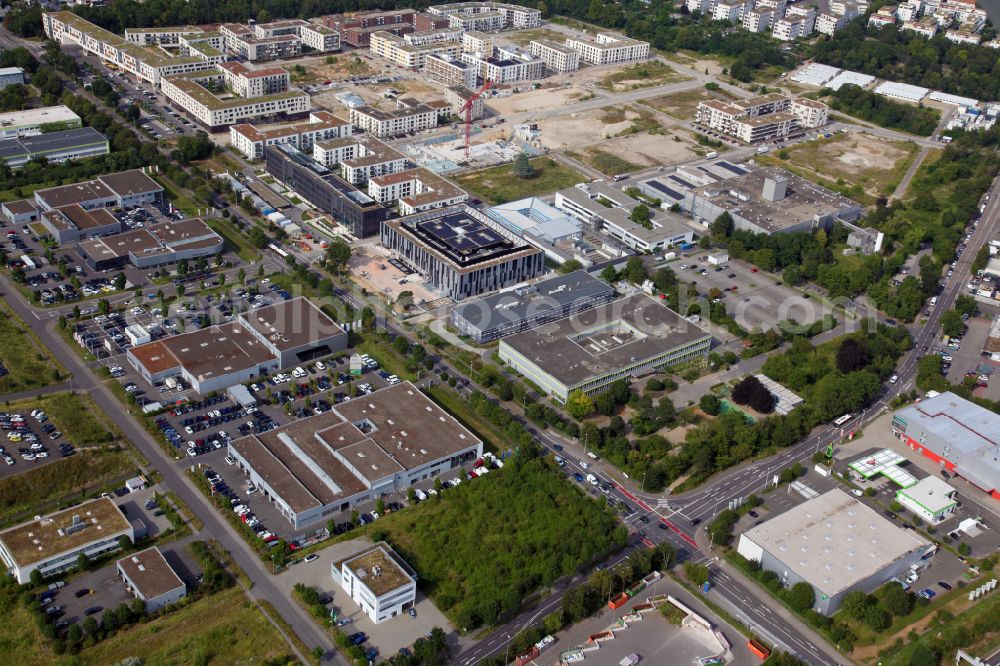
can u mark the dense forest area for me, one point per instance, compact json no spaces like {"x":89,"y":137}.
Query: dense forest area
{"x":864,"y":104}
{"x":904,"y":57}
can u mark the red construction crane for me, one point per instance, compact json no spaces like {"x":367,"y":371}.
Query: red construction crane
{"x":467,"y":108}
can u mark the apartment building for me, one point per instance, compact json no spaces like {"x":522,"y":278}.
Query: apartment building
{"x":319,"y":38}
{"x":427,"y":21}
{"x":194,"y":94}
{"x":799,"y":21}
{"x":160,"y":36}
{"x":409,"y":116}
{"x":478,"y":42}
{"x":425,"y":37}
{"x":506,"y":65}
{"x":730,"y":10}
{"x":145,"y":63}
{"x":828,"y":24}
{"x":415,"y":191}
{"x":359,"y":157}
{"x":243,"y":42}
{"x":607,"y":48}
{"x":557,"y":57}
{"x":811,"y":114}
{"x":457,"y":97}
{"x":207,"y":46}
{"x":909,"y":11}
{"x":397,"y":50}
{"x":511,"y":17}
{"x":251,"y":140}
{"x":247,"y":82}
{"x":883,"y":16}
{"x":924,"y":26}
{"x":450,"y":71}
{"x":701,"y":6}
{"x":963,"y":37}
{"x":761,"y":118}
{"x":357,"y":28}
{"x":758,"y":20}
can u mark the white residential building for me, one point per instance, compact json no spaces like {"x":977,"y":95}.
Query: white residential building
{"x":360,"y":157}
{"x":478,"y":42}
{"x":415,"y":190}
{"x":909,"y":11}
{"x":246,"y":82}
{"x":925,"y":26}
{"x":730,"y":10}
{"x":409,"y":116}
{"x":811,"y":114}
{"x":450,"y":71}
{"x":250,"y":140}
{"x":608,"y":48}
{"x":378,"y":581}
{"x":494,"y":15}
{"x":506,"y":65}
{"x":883,"y":17}
{"x":557,"y":57}
{"x":397,"y":50}
{"x":963,"y":37}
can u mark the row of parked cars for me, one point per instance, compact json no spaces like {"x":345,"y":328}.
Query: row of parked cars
{"x":27,"y":441}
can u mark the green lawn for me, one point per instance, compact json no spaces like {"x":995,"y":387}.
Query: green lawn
{"x":221,"y":629}
{"x":59,"y":481}
{"x":604,"y":161}
{"x":683,"y":105}
{"x":29,"y":364}
{"x":234,"y":241}
{"x":81,"y":421}
{"x":641,"y":75}
{"x":499,"y":184}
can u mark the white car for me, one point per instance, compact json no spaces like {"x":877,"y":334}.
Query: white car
{"x":230,"y":460}
{"x":857,"y":493}
{"x":584,"y":465}
{"x":893,"y":379}
{"x":912,"y":578}
{"x":320,"y":366}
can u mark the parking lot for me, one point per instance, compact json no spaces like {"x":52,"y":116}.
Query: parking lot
{"x":752,"y":298}
{"x":969,"y":358}
{"x":30,"y":441}
{"x":388,"y":636}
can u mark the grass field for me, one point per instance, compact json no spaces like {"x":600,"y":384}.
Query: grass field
{"x":28,"y":363}
{"x":221,"y":629}
{"x":234,"y":241}
{"x":683,"y":105}
{"x":604,"y":162}
{"x":81,"y":421}
{"x":500,"y":185}
{"x":60,"y":480}
{"x":525,"y":37}
{"x":493,"y":437}
{"x":641,"y":75}
{"x":858,"y":165}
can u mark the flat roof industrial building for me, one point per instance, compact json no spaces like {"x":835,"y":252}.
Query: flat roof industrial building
{"x":462,"y":252}
{"x":771,"y":200}
{"x":957,"y":434}
{"x":259,"y":341}
{"x":156,"y":245}
{"x":125,"y":188}
{"x":378,"y":580}
{"x":378,"y":443}
{"x":149,"y":577}
{"x":530,"y":305}
{"x":836,"y":544}
{"x":53,"y":543}
{"x":71,"y":144}
{"x":625,"y":338}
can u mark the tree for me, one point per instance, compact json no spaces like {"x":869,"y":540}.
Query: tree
{"x":640,"y":215}
{"x":36,"y":577}
{"x":877,"y":618}
{"x":338,"y":255}
{"x":579,"y":405}
{"x":722,"y":228}
{"x":119,"y":281}
{"x":82,"y":561}
{"x":696,"y":573}
{"x":241,"y":276}
{"x":751,"y":392}
{"x":569,"y":266}
{"x":801,"y":597}
{"x":924,"y":655}
{"x":851,"y":356}
{"x":609,"y":274}
{"x":710,"y":404}
{"x":523,"y":168}
{"x":952,"y":324}
{"x":896,"y":600}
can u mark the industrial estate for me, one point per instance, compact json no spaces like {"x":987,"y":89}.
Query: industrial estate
{"x":478,"y":333}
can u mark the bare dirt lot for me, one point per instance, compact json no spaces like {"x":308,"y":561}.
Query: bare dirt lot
{"x":873,"y":164}
{"x":329,"y":68}
{"x":684,"y":104}
{"x":577,"y":130}
{"x":537,"y":100}
{"x":635,"y":151}
{"x":368,"y":272}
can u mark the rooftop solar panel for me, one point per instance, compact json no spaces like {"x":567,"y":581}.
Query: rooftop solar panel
{"x":660,"y":187}
{"x":732,"y":167}
{"x":682,"y":182}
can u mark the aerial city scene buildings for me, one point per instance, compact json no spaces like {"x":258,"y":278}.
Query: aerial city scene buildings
{"x":481,"y":333}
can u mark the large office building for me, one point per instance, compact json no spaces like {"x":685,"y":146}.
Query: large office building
{"x":609,"y":211}
{"x":771,"y":200}
{"x":461,"y":252}
{"x":325,"y":189}
{"x":380,"y":443}
{"x":124,"y":189}
{"x":53,"y":543}
{"x":378,"y":580}
{"x":72,"y":223}
{"x":148,"y":247}
{"x":622,"y":339}
{"x":836,"y":544}
{"x":151,"y":579}
{"x":608,"y":48}
{"x":251,"y":140}
{"x":37,"y":121}
{"x":958,"y":435}
{"x":258,"y":342}
{"x":548,"y":228}
{"x":488,"y":16}
{"x":529,"y":306}
{"x":194,"y":92}
{"x":54,"y":147}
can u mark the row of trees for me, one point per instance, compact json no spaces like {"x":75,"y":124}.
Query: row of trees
{"x":860,"y":103}
{"x":897,"y":55}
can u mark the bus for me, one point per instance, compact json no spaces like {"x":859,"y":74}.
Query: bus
{"x":277,"y":250}
{"x":843,"y":419}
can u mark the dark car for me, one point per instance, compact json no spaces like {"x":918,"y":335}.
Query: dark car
{"x":644,"y":519}
{"x":324,"y":599}
{"x":889,"y":514}
{"x":358,"y":638}
{"x":557,"y":447}
{"x":943,"y":585}
{"x":695,"y":521}
{"x":93,"y":610}
{"x":662,"y":526}
{"x":84,"y":592}
{"x":753,"y":514}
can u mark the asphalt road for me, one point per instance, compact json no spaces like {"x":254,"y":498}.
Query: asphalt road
{"x":174,"y":479}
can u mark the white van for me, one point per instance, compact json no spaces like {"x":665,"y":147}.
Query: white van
{"x":712,"y":155}
{"x":593,"y":456}
{"x":763,"y":149}
{"x":933,"y":300}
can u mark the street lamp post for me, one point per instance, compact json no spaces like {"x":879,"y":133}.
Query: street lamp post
{"x":506,"y":654}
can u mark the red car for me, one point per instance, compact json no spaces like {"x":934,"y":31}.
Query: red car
{"x":754,"y":269}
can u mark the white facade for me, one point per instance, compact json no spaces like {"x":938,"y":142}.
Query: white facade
{"x":189,"y":93}
{"x":729,"y":11}
{"x":507,"y":66}
{"x":322,"y":126}
{"x":150,"y":578}
{"x":608,"y":48}
{"x":377,"y":583}
{"x":512,"y":17}
{"x":411,"y":56}
{"x":249,"y":83}
{"x":930,"y":498}
{"x":384,"y":124}
{"x":811,"y":114}
{"x":557,"y":57}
